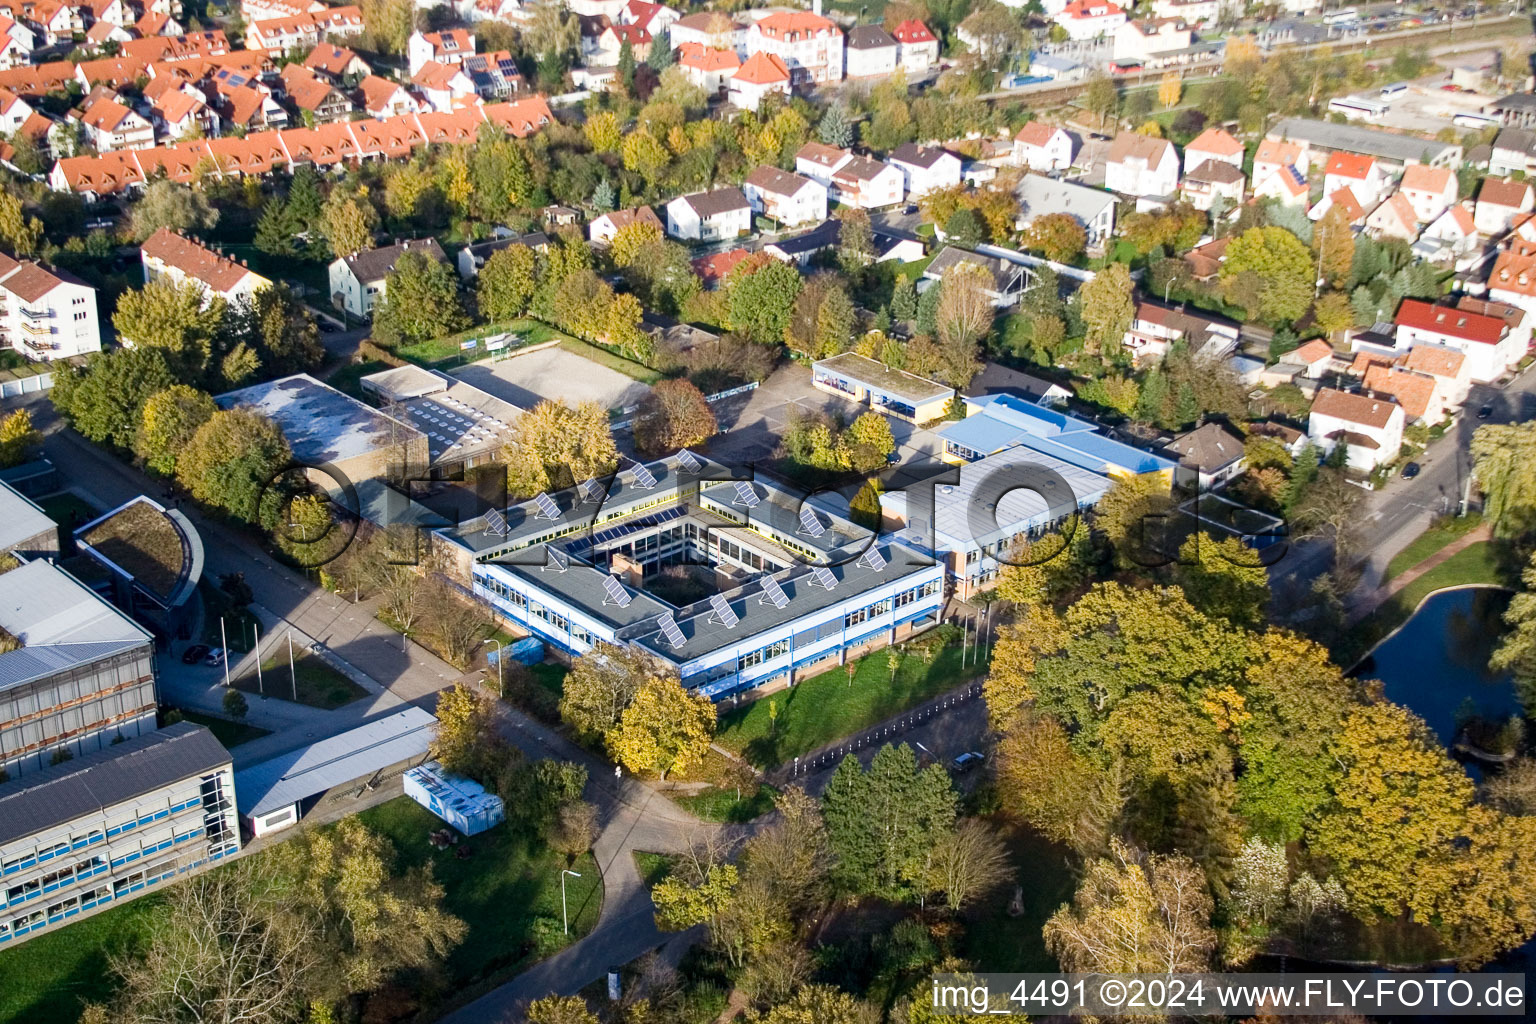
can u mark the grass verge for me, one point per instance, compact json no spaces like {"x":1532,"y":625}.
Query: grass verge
{"x":601,"y":356}
{"x":729,"y":805}
{"x":1439,"y":534}
{"x":312,"y":681}
{"x":507,"y":891}
{"x":50,"y":977}
{"x":828,"y":707}
{"x":231,"y":734}
{"x":653,"y":867}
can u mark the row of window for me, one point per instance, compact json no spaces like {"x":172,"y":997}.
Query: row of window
{"x":54,"y":879}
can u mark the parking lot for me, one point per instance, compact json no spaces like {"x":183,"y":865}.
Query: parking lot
{"x":557,"y":375}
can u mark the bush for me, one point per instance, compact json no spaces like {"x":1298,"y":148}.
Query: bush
{"x":235,"y":705}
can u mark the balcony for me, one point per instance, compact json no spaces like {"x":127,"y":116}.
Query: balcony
{"x":42,"y":330}
{"x":36,"y":314}
{"x":40,"y":346}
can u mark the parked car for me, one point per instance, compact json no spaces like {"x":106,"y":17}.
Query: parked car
{"x":968,"y":760}
{"x":214,"y":658}
{"x":194,"y":654}
{"x":1410,"y":471}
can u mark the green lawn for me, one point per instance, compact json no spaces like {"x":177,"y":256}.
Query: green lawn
{"x":437,"y":351}
{"x":508,"y":888}
{"x":48,"y":978}
{"x":1440,"y":533}
{"x":601,"y":356}
{"x":826,"y":708}
{"x":1005,"y":943}
{"x":231,"y":734}
{"x":724,"y":805}
{"x":653,"y":867}
{"x":318,"y":684}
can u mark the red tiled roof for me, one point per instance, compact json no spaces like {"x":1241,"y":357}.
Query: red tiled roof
{"x":1214,"y":140}
{"x":913,"y":31}
{"x":715,"y":267}
{"x":1313,"y":351}
{"x":1438,"y":362}
{"x":1412,"y":390}
{"x":1371,"y":412}
{"x":1450,"y":321}
{"x":1423,"y":178}
{"x":194,"y":259}
{"x":1504,"y":192}
{"x":763,"y":69}
{"x":706,"y":58}
{"x":793,"y":24}
{"x":1037,"y":133}
{"x":1350,"y":165}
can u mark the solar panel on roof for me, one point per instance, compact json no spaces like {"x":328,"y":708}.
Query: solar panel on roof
{"x":809,"y":524}
{"x":616,"y":592}
{"x":689,"y":461}
{"x":745,"y":495}
{"x":643,"y":475}
{"x":822,"y":577}
{"x":669,"y":630}
{"x":496,"y":523}
{"x":773,"y":592}
{"x":556,"y":559}
{"x":874,"y":559}
{"x":591,"y":490}
{"x":724,"y":613}
{"x":547,"y":507}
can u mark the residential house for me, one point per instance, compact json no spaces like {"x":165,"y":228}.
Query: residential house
{"x":494,"y":76}
{"x":444,"y":87}
{"x":759,"y":75}
{"x":111,"y":125}
{"x":1370,"y":428}
{"x":712,"y":30}
{"x":359,"y":282}
{"x":1414,"y":392}
{"x":103,"y":32}
{"x":1513,"y":152}
{"x":1354,"y":210}
{"x":604,"y":47}
{"x":706,"y":67}
{"x":867,"y":183}
{"x":46,"y":313}
{"x":1394,"y":218}
{"x":179,"y":260}
{"x":602,"y":228}
{"x":917,"y":47}
{"x":1280,"y":172}
{"x":54,"y":23}
{"x":303,"y":32}
{"x":16,"y":44}
{"x":156,"y":23}
{"x":809,"y":45}
{"x":382,"y":97}
{"x":713,"y":269}
{"x":1210,"y":456}
{"x":1450,"y":237}
{"x":1203,"y":262}
{"x":1515,"y":318}
{"x":1191,"y":12}
{"x":787,"y":198}
{"x":337,"y":63}
{"x":1429,"y":190}
{"x":1086,"y":20}
{"x":1213,"y":180}
{"x":1154,"y":327}
{"x":1517,"y":110}
{"x":316,"y":99}
{"x":1487,"y":342}
{"x":1362,"y":175}
{"x":1139,"y":165}
{"x":1513,"y":277}
{"x":654,"y":18}
{"x":871,"y":51}
{"x":1314,"y":357}
{"x":14,"y":112}
{"x":709,"y":216}
{"x":1093,"y":208}
{"x":1450,"y":372}
{"x":1042,"y":147}
{"x":449,"y":46}
{"x":267,"y":10}
{"x":182,"y":111}
{"x":1214,"y":144}
{"x":1499,"y":202}
{"x":1009,"y":279}
{"x":473,"y":257}
{"x":925,"y":169}
{"x":1149,"y":41}
{"x":818,"y":161}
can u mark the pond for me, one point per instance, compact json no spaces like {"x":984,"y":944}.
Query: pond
{"x":1438,"y":662}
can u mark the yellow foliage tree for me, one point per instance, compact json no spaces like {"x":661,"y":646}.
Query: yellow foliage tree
{"x":630,"y":239}
{"x":602,"y":130}
{"x":1170,"y":89}
{"x":665,"y":729}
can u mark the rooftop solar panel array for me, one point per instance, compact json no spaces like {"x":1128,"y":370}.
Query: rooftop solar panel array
{"x":821,"y":576}
{"x":669,"y":630}
{"x":773,"y":593}
{"x":495,"y":523}
{"x":547,"y":507}
{"x":689,"y":461}
{"x":809,"y":523}
{"x":745,"y":495}
{"x":874,"y":559}
{"x":616,"y":592}
{"x":724,"y":613}
{"x":643,"y":476}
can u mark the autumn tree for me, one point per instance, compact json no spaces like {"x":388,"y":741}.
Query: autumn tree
{"x":1333,"y":240}
{"x":672,"y":415}
{"x":18,"y":232}
{"x":1058,"y":236}
{"x":348,"y":223}
{"x":506,"y":283}
{"x":173,"y":318}
{"x":19,"y":439}
{"x":465,"y":743}
{"x":759,"y":297}
{"x":560,"y":1010}
{"x":1170,"y":88}
{"x":1133,"y":516}
{"x":630,"y":239}
{"x":968,"y":863}
{"x":963,"y":317}
{"x":169,"y":421}
{"x":105,"y":399}
{"x":168,"y":204}
{"x":555,"y":446}
{"x":603,"y":132}
{"x":420,"y":301}
{"x":1283,"y":266}
{"x":601,"y":685}
{"x":1516,"y":651}
{"x":1135,"y":913}
{"x":1504,"y":466}
{"x":231,"y":459}
{"x":1041,"y":778}
{"x":1225,"y":578}
{"x":664,"y":729}
{"x":1108,"y":308}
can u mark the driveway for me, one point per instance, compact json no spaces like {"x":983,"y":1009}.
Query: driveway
{"x":557,"y":375}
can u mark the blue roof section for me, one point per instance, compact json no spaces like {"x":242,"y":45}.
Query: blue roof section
{"x":1006,"y":421}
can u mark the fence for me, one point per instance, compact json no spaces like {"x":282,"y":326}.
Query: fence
{"x":629,"y":410}
{"x":828,"y":757}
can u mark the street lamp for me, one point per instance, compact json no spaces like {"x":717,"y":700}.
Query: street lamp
{"x":1168,"y":286}
{"x":563,"y":914}
{"x":500,"y":686}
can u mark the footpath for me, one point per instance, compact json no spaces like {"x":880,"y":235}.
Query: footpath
{"x":1367,"y":605}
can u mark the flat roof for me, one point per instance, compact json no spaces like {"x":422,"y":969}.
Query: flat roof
{"x":1355,"y":139}
{"x":93,"y":782}
{"x":20,"y":518}
{"x":1004,"y":421}
{"x":309,"y":771}
{"x":321,"y":424}
{"x":879,"y":377}
{"x":460,"y":420}
{"x":156,"y":549}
